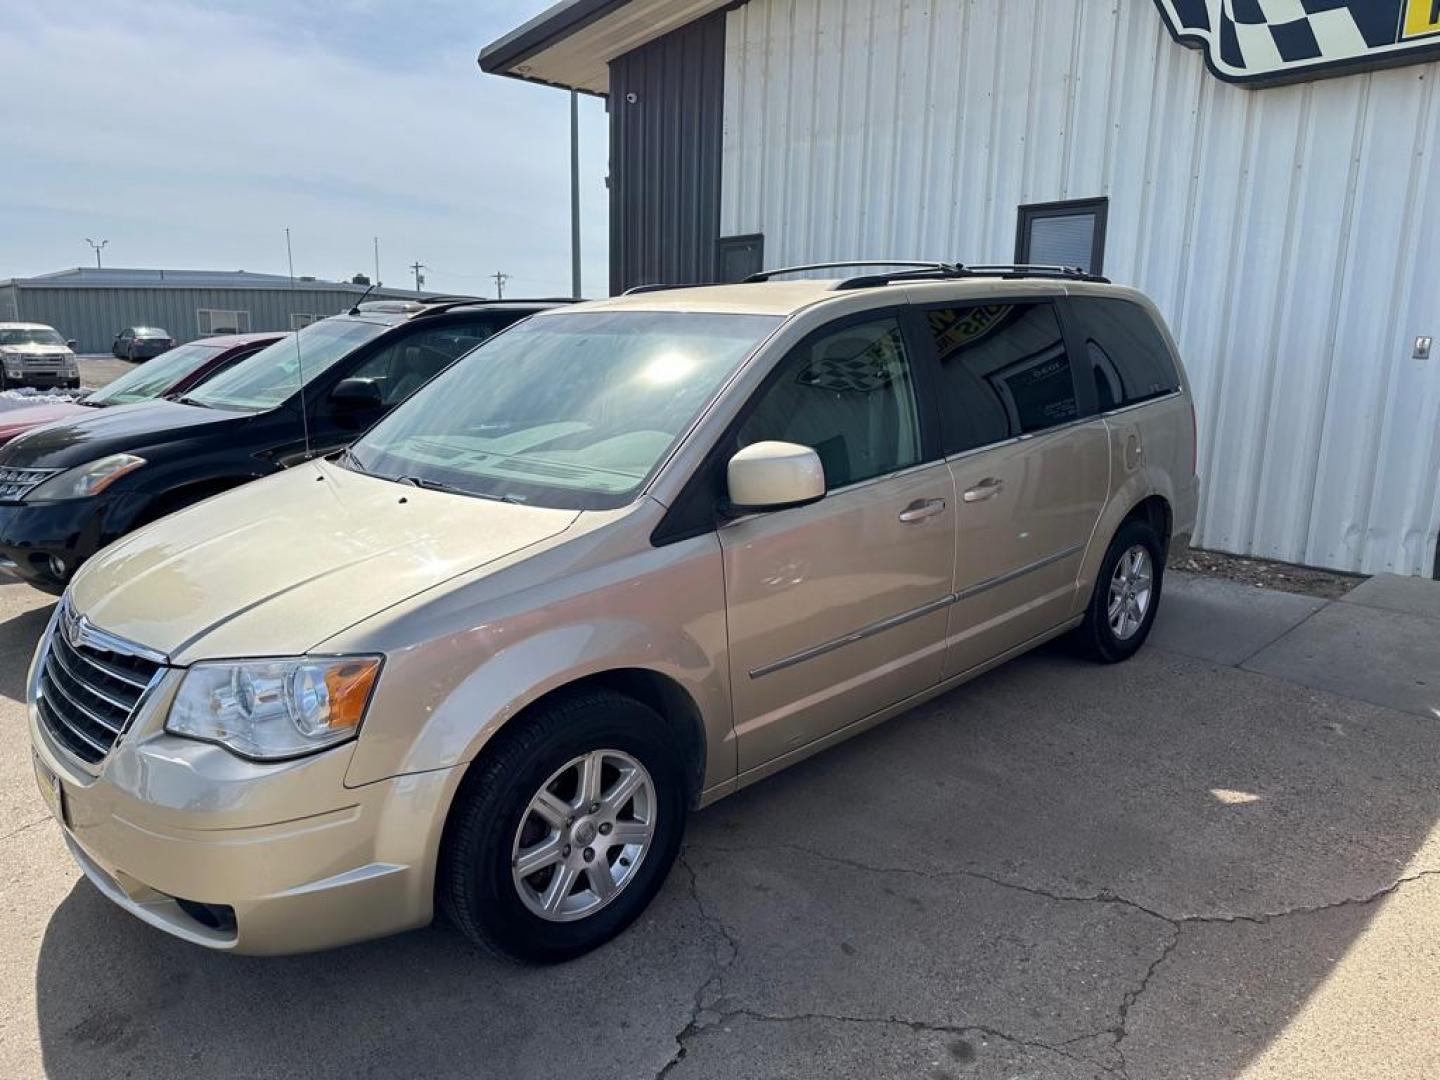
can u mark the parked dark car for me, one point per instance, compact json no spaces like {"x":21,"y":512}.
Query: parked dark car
{"x":70,"y":488}
{"x":171,"y":373}
{"x":141,"y":342}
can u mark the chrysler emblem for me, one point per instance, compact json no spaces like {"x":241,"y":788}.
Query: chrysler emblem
{"x":73,"y":627}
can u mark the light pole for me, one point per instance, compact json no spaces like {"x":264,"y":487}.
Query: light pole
{"x":575,"y":284}
{"x":97,"y":248}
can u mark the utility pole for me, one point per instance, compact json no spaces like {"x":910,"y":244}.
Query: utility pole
{"x":575,"y":192}
{"x":417,"y":266}
{"x":97,"y":248}
{"x":500,"y":280}
{"x":377,"y":262}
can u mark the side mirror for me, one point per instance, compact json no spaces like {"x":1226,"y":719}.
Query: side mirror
{"x":356,"y":395}
{"x":775,"y":475}
{"x":71,"y":344}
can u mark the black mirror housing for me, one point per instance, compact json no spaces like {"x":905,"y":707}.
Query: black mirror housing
{"x":354,"y":395}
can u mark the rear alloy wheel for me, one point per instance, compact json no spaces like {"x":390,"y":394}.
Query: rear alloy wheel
{"x":1131,"y":586}
{"x":1127,"y":595}
{"x":565,"y":828}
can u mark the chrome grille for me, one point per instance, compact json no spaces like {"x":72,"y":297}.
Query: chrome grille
{"x":89,"y":686}
{"x":15,"y":484}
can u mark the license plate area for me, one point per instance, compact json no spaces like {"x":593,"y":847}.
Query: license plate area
{"x":52,"y":790}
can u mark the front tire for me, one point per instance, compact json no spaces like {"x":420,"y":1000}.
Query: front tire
{"x":1126,"y":597}
{"x":565,"y":829}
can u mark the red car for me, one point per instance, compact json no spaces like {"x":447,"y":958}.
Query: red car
{"x":173,"y":372}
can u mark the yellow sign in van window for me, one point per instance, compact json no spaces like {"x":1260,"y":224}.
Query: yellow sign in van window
{"x":1421,"y":17}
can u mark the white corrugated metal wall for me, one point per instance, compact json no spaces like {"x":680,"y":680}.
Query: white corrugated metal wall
{"x":1289,"y":234}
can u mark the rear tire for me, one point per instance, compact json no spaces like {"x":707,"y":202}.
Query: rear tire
{"x":527,"y":798}
{"x":1126,"y":597}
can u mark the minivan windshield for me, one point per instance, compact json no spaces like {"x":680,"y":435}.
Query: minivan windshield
{"x":152,"y":379}
{"x":30,"y":337}
{"x":263,"y":381}
{"x":572,"y":411}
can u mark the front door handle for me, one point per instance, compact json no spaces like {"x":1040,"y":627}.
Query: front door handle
{"x":986,"y":489}
{"x":921,"y":509}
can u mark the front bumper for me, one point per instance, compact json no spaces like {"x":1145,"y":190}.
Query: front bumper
{"x":44,"y":379}
{"x":241,"y":856}
{"x":31,"y":533}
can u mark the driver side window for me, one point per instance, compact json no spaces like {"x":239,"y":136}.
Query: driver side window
{"x":847,"y":395}
{"x":404,"y":366}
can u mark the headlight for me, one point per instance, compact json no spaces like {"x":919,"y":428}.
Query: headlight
{"x":85,"y":480}
{"x":274,"y":709}
{"x":12,"y":360}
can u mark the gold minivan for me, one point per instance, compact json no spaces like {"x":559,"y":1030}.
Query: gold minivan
{"x":622,"y":560}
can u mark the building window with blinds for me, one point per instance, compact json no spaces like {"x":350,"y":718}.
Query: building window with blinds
{"x":1063,"y":234}
{"x":212,"y":321}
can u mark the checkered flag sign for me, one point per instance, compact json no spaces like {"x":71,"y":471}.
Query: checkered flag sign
{"x":1275,"y":40}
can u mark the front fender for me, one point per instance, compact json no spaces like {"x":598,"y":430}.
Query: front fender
{"x":437,"y":705}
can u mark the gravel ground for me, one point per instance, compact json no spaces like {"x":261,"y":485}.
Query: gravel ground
{"x":1266,"y":574}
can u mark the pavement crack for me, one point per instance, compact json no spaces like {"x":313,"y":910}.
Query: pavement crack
{"x":1122,"y":1025}
{"x":724,"y":955}
{"x":1102,"y":896}
{"x":23,"y":828}
{"x":922,"y":1026}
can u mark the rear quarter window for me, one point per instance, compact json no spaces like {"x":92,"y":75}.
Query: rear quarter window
{"x":1124,"y":353}
{"x":1003,"y":372}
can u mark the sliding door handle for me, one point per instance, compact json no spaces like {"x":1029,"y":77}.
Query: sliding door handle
{"x":986,"y":489}
{"x":921,"y":509}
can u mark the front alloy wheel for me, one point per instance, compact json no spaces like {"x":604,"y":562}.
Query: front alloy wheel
{"x":584,"y":835}
{"x":565,"y":826}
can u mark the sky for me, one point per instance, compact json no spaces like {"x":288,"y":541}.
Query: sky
{"x":191,"y":134}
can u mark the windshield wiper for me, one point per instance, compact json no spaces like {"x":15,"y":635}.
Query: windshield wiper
{"x":188,"y":400}
{"x":346,"y":459}
{"x":451,"y":489}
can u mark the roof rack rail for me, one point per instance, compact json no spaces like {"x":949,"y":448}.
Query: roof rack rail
{"x":1025,"y":270}
{"x":636,"y":290}
{"x":443,"y":304}
{"x":910,"y":264}
{"x":447,"y":299}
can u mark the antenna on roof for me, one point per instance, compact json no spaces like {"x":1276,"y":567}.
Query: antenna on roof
{"x":299,"y":353}
{"x":356,"y":309}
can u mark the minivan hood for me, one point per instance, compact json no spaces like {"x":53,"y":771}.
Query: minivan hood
{"x":110,"y":431}
{"x":279,"y":565}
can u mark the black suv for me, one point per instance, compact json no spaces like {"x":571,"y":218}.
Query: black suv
{"x":70,"y":488}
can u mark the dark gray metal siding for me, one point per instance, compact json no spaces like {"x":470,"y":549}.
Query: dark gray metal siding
{"x":667,"y":105}
{"x":93,"y":316}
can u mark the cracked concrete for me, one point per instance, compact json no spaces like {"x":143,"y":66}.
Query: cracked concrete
{"x":1174,"y":868}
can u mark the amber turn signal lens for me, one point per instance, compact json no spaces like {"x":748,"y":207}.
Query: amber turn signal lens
{"x":348,"y":686}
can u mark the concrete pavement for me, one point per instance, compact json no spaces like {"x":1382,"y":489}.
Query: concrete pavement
{"x":1220,"y":859}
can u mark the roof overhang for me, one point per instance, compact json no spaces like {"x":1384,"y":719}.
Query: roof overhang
{"x":571,"y":45}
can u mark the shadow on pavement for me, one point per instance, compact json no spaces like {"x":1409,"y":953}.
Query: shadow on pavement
{"x":117,"y":998}
{"x":18,"y":637}
{"x":1060,"y":869}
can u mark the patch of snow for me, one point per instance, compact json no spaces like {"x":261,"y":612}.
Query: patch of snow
{"x":23,"y":396}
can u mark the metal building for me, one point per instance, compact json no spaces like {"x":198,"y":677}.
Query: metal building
{"x":1267,"y":172}
{"x":91,"y":305}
